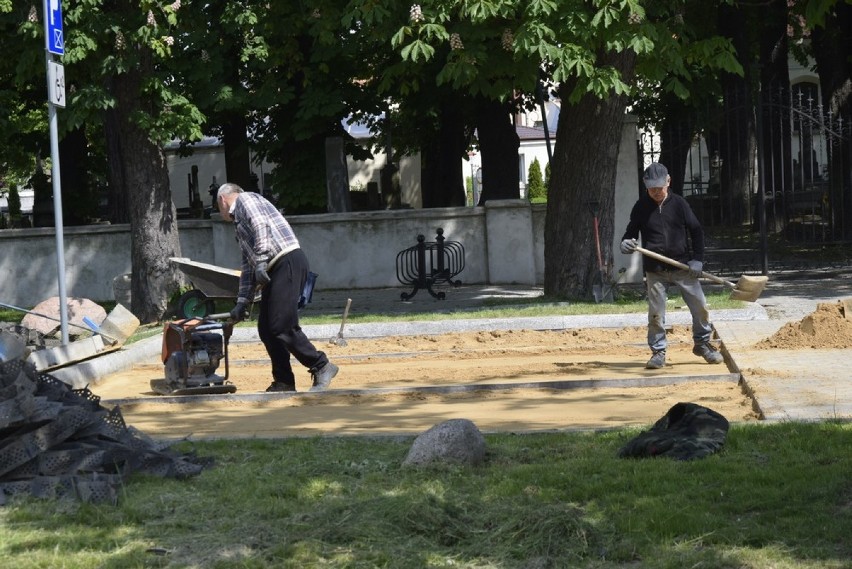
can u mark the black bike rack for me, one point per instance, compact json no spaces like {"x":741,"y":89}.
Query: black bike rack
{"x":429,"y":263}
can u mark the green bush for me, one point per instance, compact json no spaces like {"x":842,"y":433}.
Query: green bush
{"x":535,"y":182}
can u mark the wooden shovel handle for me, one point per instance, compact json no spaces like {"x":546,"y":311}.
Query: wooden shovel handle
{"x":683,"y":266}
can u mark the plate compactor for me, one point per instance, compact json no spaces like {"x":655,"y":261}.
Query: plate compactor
{"x":192,"y":351}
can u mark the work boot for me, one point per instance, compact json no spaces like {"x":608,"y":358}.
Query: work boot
{"x":657,"y":361}
{"x":280,"y":387}
{"x":710,"y":354}
{"x":323,"y":376}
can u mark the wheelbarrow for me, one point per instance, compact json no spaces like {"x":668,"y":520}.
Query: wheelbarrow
{"x":210,"y":283}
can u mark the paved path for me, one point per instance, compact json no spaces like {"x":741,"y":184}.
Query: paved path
{"x":803,"y":384}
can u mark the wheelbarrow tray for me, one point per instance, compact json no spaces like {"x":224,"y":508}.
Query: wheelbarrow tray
{"x":212,"y":280}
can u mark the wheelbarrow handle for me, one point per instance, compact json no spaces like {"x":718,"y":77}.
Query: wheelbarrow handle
{"x":219,"y":316}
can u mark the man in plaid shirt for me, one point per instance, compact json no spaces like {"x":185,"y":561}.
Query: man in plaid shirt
{"x":273,"y":261}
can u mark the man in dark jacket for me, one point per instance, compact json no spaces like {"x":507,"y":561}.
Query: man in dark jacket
{"x":273,"y":260}
{"x":669,"y":227}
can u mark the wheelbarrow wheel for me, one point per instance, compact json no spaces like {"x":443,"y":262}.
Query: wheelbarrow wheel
{"x":195,"y":304}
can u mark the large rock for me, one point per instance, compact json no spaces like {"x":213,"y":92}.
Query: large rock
{"x":456,"y":441}
{"x":78,"y":308}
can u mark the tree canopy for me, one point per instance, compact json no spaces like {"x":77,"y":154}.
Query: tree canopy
{"x":273,"y":80}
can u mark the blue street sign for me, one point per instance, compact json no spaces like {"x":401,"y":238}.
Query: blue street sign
{"x":53,"y":22}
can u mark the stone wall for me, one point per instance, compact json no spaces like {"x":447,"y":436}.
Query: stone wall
{"x":347,"y":250}
{"x":503,"y":244}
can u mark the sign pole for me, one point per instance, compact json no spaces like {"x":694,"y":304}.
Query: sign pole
{"x":54,"y":41}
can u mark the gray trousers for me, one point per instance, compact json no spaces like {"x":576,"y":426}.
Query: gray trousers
{"x":693,"y":295}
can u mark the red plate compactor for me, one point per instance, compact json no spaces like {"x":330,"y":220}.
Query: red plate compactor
{"x":193,"y":348}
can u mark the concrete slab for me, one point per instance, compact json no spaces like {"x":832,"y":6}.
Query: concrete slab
{"x":45,"y":360}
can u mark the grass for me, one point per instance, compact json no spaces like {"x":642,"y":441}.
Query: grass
{"x":775,"y":496}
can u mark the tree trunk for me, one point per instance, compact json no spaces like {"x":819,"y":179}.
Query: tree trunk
{"x":153,"y":218}
{"x":78,"y":202}
{"x":676,"y":135}
{"x":499,"y":144}
{"x":738,"y":143}
{"x":116,"y":192}
{"x":442,"y":166}
{"x":237,"y":161}
{"x":583,"y":171}
{"x":835,"y":76}
{"x":775,"y":90}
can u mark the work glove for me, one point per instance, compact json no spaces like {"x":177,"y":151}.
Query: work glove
{"x":628,"y":246}
{"x":695,"y":268}
{"x":261,"y":277}
{"x":239,"y":312}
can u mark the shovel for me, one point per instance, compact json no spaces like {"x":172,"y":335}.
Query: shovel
{"x":598,"y":287}
{"x":338,"y":340}
{"x":747,"y":288}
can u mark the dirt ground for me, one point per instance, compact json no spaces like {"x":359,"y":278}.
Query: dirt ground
{"x":502,"y":380}
{"x":828,"y":326}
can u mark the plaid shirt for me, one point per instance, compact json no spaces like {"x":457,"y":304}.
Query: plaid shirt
{"x":262,"y":233}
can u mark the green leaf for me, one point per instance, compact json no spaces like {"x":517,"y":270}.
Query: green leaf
{"x":641,"y":44}
{"x":434,"y":31}
{"x":417,"y":49}
{"x":480,"y":10}
{"x":399,"y":37}
{"x":538,"y":8}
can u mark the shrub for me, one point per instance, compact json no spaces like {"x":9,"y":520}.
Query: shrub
{"x":535,"y":182}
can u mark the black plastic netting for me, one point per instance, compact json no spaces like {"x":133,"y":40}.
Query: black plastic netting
{"x":56,"y":441}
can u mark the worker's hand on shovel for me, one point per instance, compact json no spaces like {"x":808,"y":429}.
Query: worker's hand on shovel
{"x":628,"y":246}
{"x":695,"y":268}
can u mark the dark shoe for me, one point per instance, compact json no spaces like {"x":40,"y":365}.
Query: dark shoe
{"x":323,"y":376}
{"x":657,"y":361}
{"x":280,"y":387}
{"x":708,"y":352}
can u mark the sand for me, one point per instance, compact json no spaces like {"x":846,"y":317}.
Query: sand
{"x":517,"y":381}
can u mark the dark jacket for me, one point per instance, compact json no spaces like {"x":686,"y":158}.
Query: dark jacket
{"x":670,"y":229}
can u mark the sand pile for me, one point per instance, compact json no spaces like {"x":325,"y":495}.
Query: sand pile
{"x":826,"y":327}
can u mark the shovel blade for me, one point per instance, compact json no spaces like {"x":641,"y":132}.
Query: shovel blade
{"x":748,"y":288}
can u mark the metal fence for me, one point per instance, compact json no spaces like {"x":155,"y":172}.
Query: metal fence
{"x":768,"y":174}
